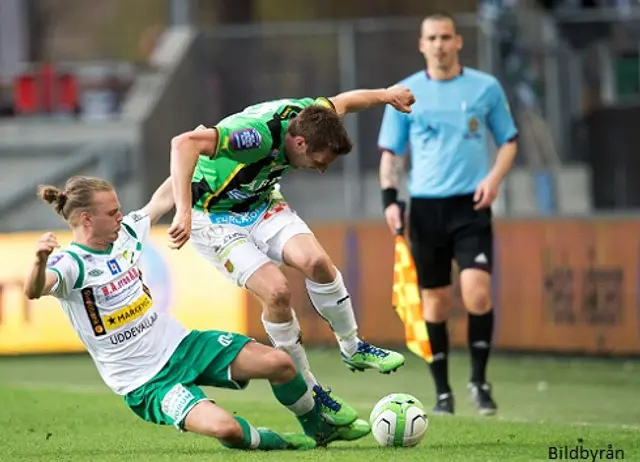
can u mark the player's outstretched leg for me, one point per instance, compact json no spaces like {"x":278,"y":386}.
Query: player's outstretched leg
{"x":270,"y":285}
{"x":290,"y":389}
{"x":332,"y":301}
{"x":229,"y":360}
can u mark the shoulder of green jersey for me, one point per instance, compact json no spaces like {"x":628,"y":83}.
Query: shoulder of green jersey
{"x":324,"y":101}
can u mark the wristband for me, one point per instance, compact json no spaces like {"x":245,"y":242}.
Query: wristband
{"x":389,"y":196}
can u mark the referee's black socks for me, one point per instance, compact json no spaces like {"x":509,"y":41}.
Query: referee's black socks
{"x":480,"y":333}
{"x":439,"y":339}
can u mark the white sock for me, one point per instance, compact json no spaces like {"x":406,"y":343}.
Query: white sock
{"x":287,"y":337}
{"x":333,"y":303}
{"x":304,"y":405}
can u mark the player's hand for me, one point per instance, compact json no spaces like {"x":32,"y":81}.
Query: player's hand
{"x":393,"y":215}
{"x":486,"y":193}
{"x":180,"y":229}
{"x":400,"y":97}
{"x":45,"y":245}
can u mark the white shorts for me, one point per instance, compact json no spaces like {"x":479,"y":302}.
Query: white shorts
{"x":237,"y":244}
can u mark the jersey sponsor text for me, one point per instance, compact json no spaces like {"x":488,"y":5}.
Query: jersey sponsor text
{"x":123,"y":336}
{"x":129,"y":313}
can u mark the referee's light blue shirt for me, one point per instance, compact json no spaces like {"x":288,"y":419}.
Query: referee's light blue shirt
{"x":447,"y":130}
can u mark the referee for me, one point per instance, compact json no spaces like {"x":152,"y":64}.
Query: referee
{"x":452,"y":187}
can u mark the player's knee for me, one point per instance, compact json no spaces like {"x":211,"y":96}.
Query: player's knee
{"x":319,"y":268}
{"x":278,"y":296}
{"x":226,"y":429}
{"x":281,"y":366}
{"x":436,"y":304}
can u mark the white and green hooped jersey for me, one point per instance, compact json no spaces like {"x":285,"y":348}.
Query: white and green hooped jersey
{"x":112,"y":311}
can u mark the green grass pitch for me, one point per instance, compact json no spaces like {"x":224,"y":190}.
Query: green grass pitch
{"x":57,"y":409}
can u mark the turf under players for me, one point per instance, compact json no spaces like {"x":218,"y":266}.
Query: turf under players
{"x":224,"y":181}
{"x":140,"y":350}
{"x":452,"y":188}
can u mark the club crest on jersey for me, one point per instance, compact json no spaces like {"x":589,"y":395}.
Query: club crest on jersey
{"x":114,"y":267}
{"x":474,"y":125}
{"x":248,"y":138}
{"x":127,"y":255}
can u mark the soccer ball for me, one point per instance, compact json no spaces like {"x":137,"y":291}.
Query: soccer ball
{"x":399,"y":419}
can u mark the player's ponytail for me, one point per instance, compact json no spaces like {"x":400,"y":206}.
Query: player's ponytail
{"x":53,"y":196}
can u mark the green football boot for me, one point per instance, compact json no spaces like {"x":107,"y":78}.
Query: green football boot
{"x":368,"y":356}
{"x":298,"y":441}
{"x":358,"y":429}
{"x":332,"y":408}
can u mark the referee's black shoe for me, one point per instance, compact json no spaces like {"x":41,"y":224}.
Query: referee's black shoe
{"x":444,"y":404}
{"x":481,"y":395}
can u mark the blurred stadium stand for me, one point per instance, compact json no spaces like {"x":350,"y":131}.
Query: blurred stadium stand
{"x":90,"y":102}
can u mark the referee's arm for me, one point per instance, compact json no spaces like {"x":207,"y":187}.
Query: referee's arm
{"x":504,"y":131}
{"x":392,"y":141}
{"x":505,"y":134}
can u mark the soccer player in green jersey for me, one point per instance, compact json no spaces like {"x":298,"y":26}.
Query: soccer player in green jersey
{"x":140,"y":350}
{"x":224,"y":182}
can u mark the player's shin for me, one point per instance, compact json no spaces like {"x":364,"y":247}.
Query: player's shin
{"x":333,"y":303}
{"x":288,"y":337}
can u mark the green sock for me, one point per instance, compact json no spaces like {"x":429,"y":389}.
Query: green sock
{"x":253,"y":438}
{"x":296,"y":396}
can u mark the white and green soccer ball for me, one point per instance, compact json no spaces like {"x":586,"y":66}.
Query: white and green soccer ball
{"x":399,"y":420}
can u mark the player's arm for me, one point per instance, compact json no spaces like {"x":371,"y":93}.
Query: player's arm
{"x":49,"y":275}
{"x":39,"y":280}
{"x":504,"y":131}
{"x":398,"y":96}
{"x":161,"y":202}
{"x":185,"y":150}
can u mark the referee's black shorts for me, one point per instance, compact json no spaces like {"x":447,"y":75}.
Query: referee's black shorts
{"x":449,"y":228}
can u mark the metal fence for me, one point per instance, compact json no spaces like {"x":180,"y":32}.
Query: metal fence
{"x":563,"y":66}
